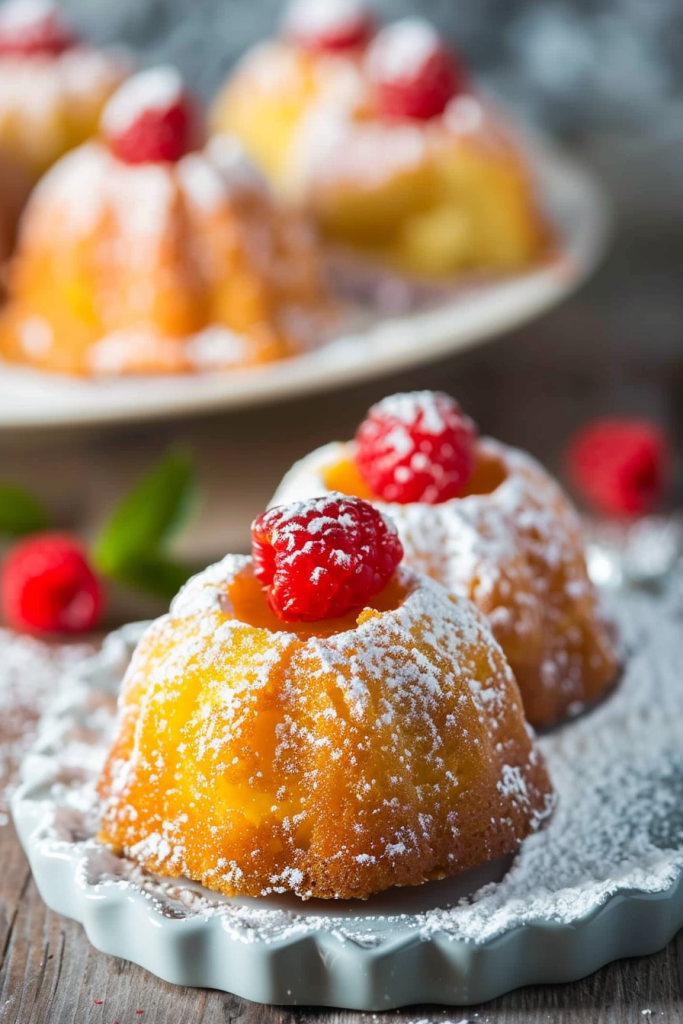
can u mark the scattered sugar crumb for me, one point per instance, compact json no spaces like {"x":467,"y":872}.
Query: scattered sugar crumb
{"x":29,"y":672}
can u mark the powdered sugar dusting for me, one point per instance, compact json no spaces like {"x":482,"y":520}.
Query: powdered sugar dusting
{"x":331,"y":147}
{"x":618,"y":827}
{"x":409,"y":407}
{"x":213,"y":348}
{"x":157,"y":89}
{"x":208,"y":591}
{"x":38,"y":95}
{"x":313,"y":17}
{"x":190,"y":226}
{"x":29,"y":676}
{"x":293,"y":532}
{"x":401,"y":49}
{"x":229,"y":156}
{"x":140,"y":197}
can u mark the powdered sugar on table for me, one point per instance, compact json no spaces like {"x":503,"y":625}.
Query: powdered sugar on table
{"x":29,"y":677}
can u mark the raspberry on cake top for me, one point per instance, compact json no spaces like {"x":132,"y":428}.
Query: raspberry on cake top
{"x":319,"y":720}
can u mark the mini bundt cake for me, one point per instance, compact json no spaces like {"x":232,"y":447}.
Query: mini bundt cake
{"x":145,"y":253}
{"x":383,"y":138}
{"x":489,"y":523}
{"x":348,"y":728}
{"x":52,"y":86}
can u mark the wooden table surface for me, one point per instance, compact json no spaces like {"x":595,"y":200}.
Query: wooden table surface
{"x":617,"y":346}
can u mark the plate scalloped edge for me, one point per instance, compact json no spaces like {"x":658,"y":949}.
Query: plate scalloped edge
{"x":384,"y":961}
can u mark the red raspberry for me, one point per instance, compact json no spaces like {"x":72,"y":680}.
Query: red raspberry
{"x":33,"y":28}
{"x":621,"y":466}
{"x":329,"y":26}
{"x":416,"y":447}
{"x":322,"y":557}
{"x":152,"y":119}
{"x":47,"y":586}
{"x":412,"y":72}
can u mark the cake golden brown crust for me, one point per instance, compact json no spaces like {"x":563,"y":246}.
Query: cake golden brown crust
{"x":333,"y":759}
{"x":512,"y":544}
{"x":160,"y":268}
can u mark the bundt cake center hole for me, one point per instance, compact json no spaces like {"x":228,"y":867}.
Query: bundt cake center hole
{"x":249,"y":605}
{"x":343,"y":476}
{"x":488,"y":474}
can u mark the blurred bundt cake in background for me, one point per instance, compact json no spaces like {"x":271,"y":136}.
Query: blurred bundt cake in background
{"x":382,"y":135}
{"x":147,"y":251}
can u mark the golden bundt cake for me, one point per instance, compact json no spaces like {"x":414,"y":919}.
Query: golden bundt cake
{"x":52,"y":86}
{"x":145,"y":253}
{"x":347,"y":729}
{"x":388,"y":145}
{"x":489,"y":523}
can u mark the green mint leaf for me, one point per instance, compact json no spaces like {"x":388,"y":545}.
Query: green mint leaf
{"x":148,"y":517}
{"x":155,"y":574}
{"x":20,"y":512}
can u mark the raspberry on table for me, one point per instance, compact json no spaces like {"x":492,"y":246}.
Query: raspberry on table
{"x":323,"y":557}
{"x":33,"y":28}
{"x":330,"y":26}
{"x":412,"y":71}
{"x":47,"y":586}
{"x":621,"y":466}
{"x":152,"y":118}
{"x":417,"y":446}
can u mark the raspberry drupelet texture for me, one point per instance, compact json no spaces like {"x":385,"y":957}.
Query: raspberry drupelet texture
{"x":33,"y":28}
{"x":323,"y":557}
{"x":417,"y":446}
{"x":47,"y":586}
{"x":412,"y":71}
{"x":152,"y":119}
{"x":621,"y":466}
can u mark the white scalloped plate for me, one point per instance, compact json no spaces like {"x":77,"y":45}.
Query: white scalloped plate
{"x":603,"y":881}
{"x":382,"y":345}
